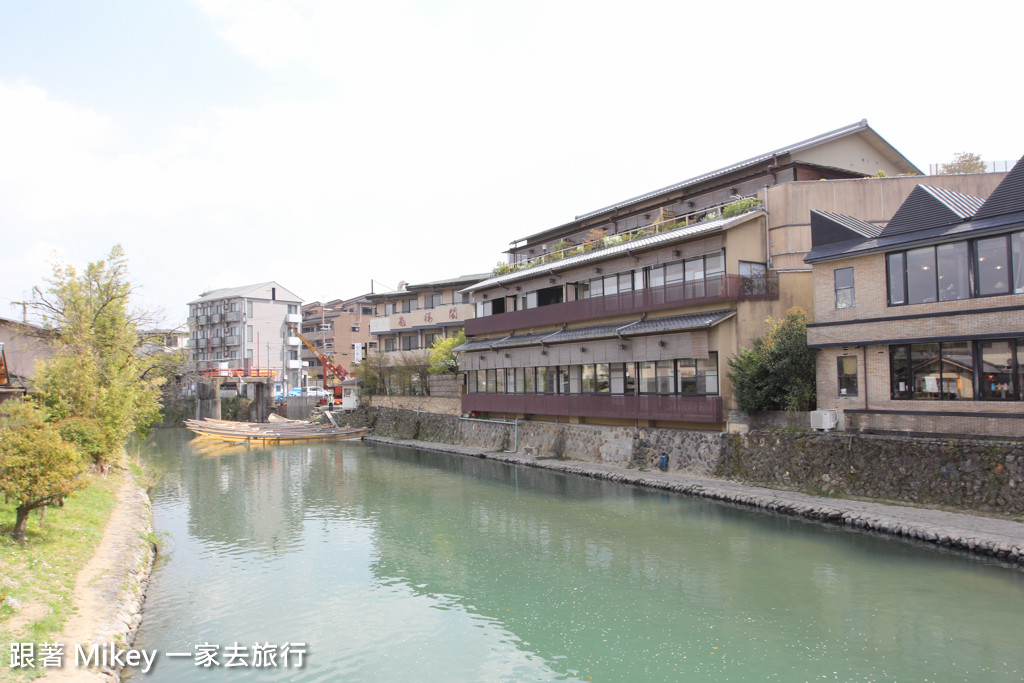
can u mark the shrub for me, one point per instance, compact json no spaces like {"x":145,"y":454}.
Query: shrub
{"x":87,"y":435}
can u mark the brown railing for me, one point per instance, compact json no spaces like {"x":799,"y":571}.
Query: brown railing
{"x":706,"y":409}
{"x":714,"y":289}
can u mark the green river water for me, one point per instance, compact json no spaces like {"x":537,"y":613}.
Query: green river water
{"x":393,"y":564}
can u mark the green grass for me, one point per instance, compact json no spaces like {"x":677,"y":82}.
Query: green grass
{"x":39,"y":575}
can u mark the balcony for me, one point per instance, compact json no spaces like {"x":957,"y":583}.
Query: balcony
{"x":722,"y":288}
{"x":380,"y":325}
{"x":293,"y":318}
{"x":293,"y":364}
{"x":704,"y":409}
{"x":216,"y":341}
{"x":232,"y":316}
{"x":232,"y":341}
{"x":292,"y":341}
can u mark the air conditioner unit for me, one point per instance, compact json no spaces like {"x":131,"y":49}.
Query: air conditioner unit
{"x":824,"y":419}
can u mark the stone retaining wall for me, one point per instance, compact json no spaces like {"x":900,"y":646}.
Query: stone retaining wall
{"x":430,"y":404}
{"x":982,"y":475}
{"x":695,"y":452}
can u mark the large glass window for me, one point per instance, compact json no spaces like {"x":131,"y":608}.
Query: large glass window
{"x":1017,"y":255}
{"x":499,"y":384}
{"x":588,"y":379}
{"x":491,"y":386}
{"x":957,"y":371}
{"x":563,"y":379}
{"x":646,"y":378}
{"x":992,"y":266}
{"x":529,"y":380}
{"x":844,"y":287}
{"x":954,"y":271}
{"x":921,"y":284}
{"x":997,"y":360}
{"x":665,"y":370}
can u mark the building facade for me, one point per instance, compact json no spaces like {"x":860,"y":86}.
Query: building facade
{"x":920,"y":323}
{"x":340,"y":330}
{"x":854,"y":151}
{"x":629,"y":315}
{"x":410,"y":320}
{"x":243,"y":332}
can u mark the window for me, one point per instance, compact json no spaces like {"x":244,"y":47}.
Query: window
{"x":998,"y":370}
{"x":844,"y":287}
{"x":432,"y":301}
{"x":846,"y":371}
{"x":601,"y":378}
{"x":248,"y":333}
{"x":499,"y":384}
{"x":410,"y":343}
{"x":367,"y":310}
{"x":935,"y":371}
{"x":409,"y":305}
{"x":989,"y":266}
{"x":355,"y":328}
{"x":293,"y":308}
{"x":390,"y":344}
{"x":529,"y":383}
{"x":992,"y":266}
{"x":248,"y":309}
{"x":953,"y":270}
{"x":389,"y":309}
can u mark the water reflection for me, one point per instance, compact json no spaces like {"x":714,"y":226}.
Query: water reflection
{"x":396,"y":563}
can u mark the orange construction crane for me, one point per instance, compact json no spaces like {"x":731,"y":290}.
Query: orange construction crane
{"x":336,"y":371}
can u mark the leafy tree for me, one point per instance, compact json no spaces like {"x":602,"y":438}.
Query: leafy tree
{"x":778,"y":373}
{"x":37,"y":467}
{"x":442,"y":358}
{"x":97,"y":371}
{"x":963,"y":162}
{"x":372,"y":374}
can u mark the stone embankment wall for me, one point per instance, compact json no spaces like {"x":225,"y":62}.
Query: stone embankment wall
{"x":982,"y":475}
{"x":430,"y":404}
{"x":693,"y":452}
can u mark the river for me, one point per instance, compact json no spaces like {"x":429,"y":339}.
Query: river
{"x":378,"y":563}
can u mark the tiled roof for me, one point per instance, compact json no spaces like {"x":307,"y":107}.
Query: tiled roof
{"x":675,"y":323}
{"x":852,"y":129}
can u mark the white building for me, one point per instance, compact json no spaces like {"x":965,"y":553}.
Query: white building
{"x":244,"y":332}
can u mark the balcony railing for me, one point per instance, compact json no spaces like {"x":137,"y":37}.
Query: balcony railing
{"x":720,"y":288}
{"x":704,"y":409}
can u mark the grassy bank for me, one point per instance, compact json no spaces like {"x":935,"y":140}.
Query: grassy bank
{"x":37,"y":579}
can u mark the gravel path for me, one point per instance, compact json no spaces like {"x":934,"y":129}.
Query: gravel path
{"x":976,"y":533}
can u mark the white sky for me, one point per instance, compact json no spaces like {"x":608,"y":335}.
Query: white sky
{"x":326,"y":143}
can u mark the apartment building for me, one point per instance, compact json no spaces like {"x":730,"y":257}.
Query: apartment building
{"x":920,"y":322}
{"x":340,"y":330}
{"x":243,"y":332}
{"x":411,"y":319}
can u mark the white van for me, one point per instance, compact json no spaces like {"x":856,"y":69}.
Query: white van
{"x":315,"y":392}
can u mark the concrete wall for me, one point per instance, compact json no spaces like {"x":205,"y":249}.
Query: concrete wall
{"x":981,"y":475}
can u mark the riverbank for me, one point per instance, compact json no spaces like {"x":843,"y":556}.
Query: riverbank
{"x":110,"y":589}
{"x":1001,"y":538}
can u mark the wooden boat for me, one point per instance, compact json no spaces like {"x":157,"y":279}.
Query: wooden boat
{"x":270,"y":433}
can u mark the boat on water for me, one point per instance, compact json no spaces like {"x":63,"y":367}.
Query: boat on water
{"x":268,"y":433}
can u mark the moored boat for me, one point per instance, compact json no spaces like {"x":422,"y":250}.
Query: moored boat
{"x":263,"y":433}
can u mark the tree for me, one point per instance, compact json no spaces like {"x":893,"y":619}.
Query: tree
{"x":963,"y":162}
{"x":778,"y":373}
{"x":442,"y":357}
{"x":372,"y":374}
{"x":97,"y":371}
{"x":37,"y":467}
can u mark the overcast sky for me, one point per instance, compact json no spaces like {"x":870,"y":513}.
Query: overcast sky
{"x":325,"y":144}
